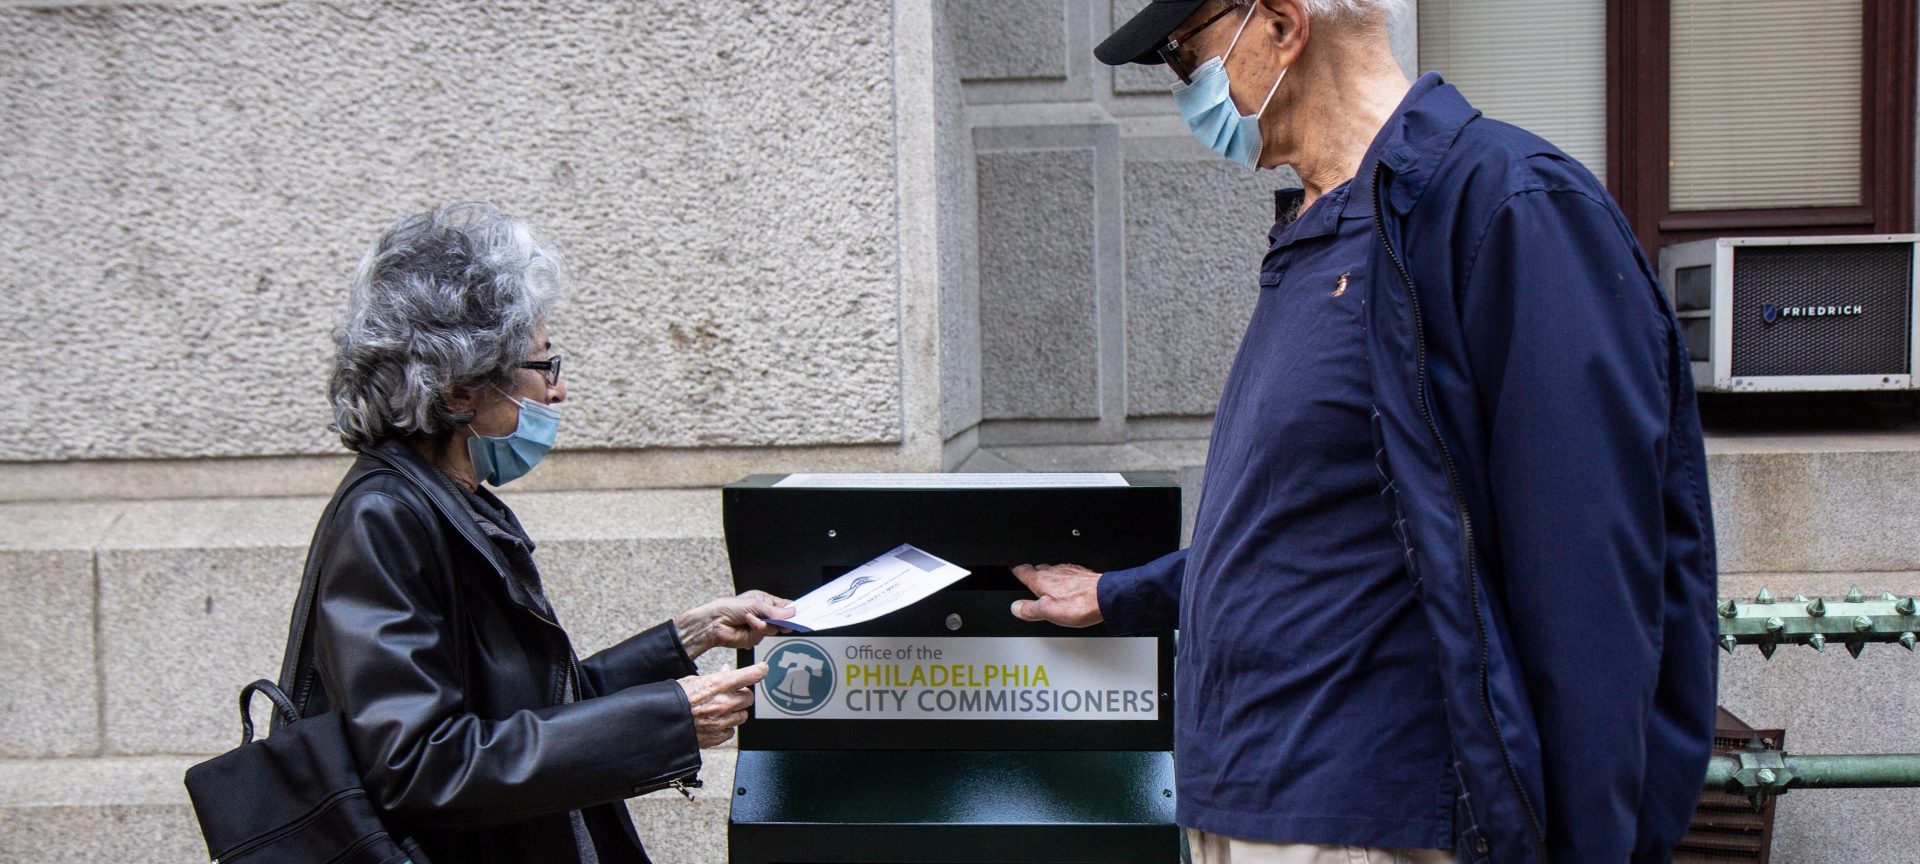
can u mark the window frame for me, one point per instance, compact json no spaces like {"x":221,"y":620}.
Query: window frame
{"x":1638,"y":126}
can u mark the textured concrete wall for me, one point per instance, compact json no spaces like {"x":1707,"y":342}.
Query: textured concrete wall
{"x":49,"y":671}
{"x":188,"y":188}
{"x":1011,"y":39}
{"x":1796,"y":511}
{"x":1196,"y":232}
{"x":1038,"y":353}
{"x":960,"y":373}
{"x":191,"y":186}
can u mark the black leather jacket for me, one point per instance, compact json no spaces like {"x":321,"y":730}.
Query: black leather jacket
{"x":453,"y":685}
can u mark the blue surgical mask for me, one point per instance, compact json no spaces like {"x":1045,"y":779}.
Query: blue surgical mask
{"x":1207,"y":105}
{"x":502,"y":460}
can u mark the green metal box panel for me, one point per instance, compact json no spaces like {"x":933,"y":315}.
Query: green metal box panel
{"x":902,"y":790}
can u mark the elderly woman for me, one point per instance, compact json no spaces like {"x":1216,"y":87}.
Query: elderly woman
{"x":477,"y":730}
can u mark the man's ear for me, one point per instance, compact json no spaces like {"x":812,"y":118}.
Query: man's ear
{"x":1285,"y":24}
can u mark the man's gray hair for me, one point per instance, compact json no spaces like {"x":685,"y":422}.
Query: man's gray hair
{"x":444,"y":302}
{"x":1390,"y":11}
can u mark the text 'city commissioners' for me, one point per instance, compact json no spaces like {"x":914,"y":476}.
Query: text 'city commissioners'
{"x":970,"y":688}
{"x":816,"y":677}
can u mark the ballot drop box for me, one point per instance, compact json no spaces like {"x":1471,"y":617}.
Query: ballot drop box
{"x":951,"y":731}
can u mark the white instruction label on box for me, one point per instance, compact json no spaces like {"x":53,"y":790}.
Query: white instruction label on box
{"x":815,"y":677}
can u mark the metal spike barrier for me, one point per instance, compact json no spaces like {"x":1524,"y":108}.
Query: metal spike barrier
{"x":1854,"y":622}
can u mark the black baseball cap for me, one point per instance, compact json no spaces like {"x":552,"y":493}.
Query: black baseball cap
{"x":1139,"y":40}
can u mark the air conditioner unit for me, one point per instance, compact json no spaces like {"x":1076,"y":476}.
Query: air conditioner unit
{"x":1784,"y":314}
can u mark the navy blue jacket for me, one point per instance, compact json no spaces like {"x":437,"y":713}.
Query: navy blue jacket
{"x":1540,"y":449}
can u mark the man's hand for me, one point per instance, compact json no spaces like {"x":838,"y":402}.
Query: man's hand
{"x":720,"y":701}
{"x":1067,"y":594}
{"x":730,"y":622}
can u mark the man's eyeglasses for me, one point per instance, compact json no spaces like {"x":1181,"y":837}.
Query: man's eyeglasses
{"x":1170,"y":50}
{"x":548,"y":369}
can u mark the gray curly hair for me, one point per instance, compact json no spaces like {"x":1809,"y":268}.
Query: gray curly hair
{"x":445,"y":301}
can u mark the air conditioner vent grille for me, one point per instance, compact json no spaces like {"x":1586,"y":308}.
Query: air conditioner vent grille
{"x":1822,"y":309}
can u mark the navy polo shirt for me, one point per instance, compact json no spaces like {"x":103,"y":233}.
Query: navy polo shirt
{"x":1308,"y":690}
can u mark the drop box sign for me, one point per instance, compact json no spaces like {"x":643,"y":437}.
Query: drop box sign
{"x":957,"y":678}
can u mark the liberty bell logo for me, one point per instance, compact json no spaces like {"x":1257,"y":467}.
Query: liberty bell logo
{"x":799,"y":677}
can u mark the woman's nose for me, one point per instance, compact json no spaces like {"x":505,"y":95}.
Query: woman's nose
{"x":557,"y":393}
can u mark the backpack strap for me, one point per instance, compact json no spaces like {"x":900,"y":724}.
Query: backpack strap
{"x":297,"y":673}
{"x":288,"y":714}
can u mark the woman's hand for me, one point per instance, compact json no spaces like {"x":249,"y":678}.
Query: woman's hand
{"x":730,"y":622}
{"x":720,"y":701}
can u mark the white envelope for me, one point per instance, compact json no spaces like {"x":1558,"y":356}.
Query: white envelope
{"x":886,"y":584}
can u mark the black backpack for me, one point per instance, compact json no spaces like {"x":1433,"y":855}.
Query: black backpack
{"x":293,"y":797}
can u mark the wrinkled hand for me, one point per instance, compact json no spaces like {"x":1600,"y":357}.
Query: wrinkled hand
{"x":731,"y":622}
{"x":1067,"y":594}
{"x":720,"y":701}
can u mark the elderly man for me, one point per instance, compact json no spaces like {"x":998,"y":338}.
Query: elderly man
{"x":1452,"y":578}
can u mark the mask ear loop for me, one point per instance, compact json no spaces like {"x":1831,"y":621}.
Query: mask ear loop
{"x":519,"y":404}
{"x":1276,"y":89}
{"x":1236,"y":33}
{"x":1236,"y":41}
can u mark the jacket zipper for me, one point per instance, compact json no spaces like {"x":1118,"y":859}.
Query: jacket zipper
{"x":1459,"y":505}
{"x":683,"y":783}
{"x":569,"y":670}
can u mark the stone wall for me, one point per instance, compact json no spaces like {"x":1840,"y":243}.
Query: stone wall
{"x":190,"y":187}
{"x":768,"y":242}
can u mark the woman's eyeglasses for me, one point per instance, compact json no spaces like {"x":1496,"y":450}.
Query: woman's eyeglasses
{"x":548,"y":369}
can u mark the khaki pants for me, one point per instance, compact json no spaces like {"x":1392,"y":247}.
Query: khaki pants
{"x":1215,"y":849}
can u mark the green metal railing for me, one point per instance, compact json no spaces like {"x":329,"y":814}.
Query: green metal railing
{"x":1772,"y":773}
{"x":1854,"y":622}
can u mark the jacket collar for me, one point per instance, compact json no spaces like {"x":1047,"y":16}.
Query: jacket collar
{"x":1291,"y":226}
{"x":428,"y":479}
{"x":1411,"y":144}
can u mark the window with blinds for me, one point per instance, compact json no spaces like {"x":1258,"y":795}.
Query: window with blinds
{"x":1538,"y":64}
{"x":1764,"y":104}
